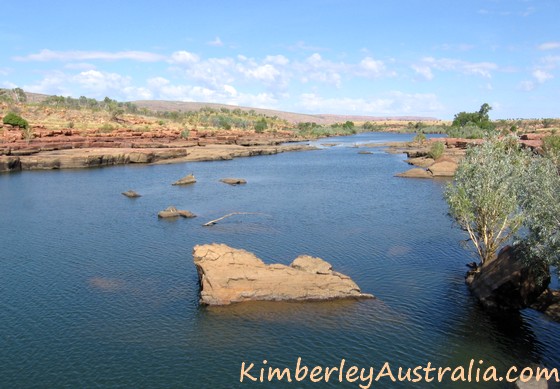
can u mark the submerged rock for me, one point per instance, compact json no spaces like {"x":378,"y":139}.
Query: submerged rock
{"x":228,"y":275}
{"x":131,"y":194}
{"x":185,"y":180}
{"x":174,"y":212}
{"x":233,"y":181}
{"x":549,"y":304}
{"x":507,"y":282}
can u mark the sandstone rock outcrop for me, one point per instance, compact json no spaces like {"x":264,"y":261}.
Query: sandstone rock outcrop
{"x":507,"y":282}
{"x":233,"y":181}
{"x":171,"y":212}
{"x":415,"y":173}
{"x":228,"y":275}
{"x":185,"y":180}
{"x":443,"y":168}
{"x":131,"y":194}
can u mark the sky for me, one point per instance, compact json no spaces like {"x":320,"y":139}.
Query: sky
{"x":360,"y":57}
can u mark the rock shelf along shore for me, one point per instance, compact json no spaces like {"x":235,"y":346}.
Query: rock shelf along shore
{"x":41,"y":158}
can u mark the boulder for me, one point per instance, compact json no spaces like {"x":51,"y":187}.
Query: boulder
{"x":228,"y":275}
{"x":131,"y":194}
{"x":233,"y":181}
{"x":171,"y":212}
{"x":365,"y":152}
{"x":185,"y":180}
{"x":549,"y":304}
{"x":507,"y":282}
{"x":415,"y":173}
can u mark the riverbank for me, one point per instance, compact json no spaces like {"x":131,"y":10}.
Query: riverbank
{"x":172,"y":153}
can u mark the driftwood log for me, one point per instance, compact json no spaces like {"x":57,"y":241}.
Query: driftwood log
{"x":212,"y":222}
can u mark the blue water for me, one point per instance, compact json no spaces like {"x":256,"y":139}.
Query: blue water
{"x":97,"y":292}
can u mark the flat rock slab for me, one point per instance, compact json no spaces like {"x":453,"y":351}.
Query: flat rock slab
{"x":415,"y":173}
{"x":185,"y":180}
{"x":445,"y":168}
{"x":233,"y":181}
{"x":228,"y":275}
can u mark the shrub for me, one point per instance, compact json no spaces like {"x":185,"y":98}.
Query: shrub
{"x":15,"y":120}
{"x":185,"y":134}
{"x":420,"y":137}
{"x":436,"y":150}
{"x":105,"y":128}
{"x":260,"y":126}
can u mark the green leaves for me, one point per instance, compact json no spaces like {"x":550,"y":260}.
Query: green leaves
{"x":500,"y":193}
{"x":483,"y":197}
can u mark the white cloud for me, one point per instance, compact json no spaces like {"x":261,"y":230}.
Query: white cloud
{"x":483,"y":69}
{"x":424,"y":71}
{"x":216,"y":42}
{"x":183,"y":58}
{"x":549,"y":46}
{"x":526,"y":86}
{"x":66,"y":56}
{"x":541,"y":76}
{"x":370,"y":67}
{"x":277,"y":60}
{"x":79,"y":66}
{"x":394,"y":103}
{"x":301,"y":45}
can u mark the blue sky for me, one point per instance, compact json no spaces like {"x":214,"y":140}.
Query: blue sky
{"x":377,"y":57}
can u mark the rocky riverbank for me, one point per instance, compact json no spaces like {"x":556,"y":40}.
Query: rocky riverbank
{"x":175,"y":152}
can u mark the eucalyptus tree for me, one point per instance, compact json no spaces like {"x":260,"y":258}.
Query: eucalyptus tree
{"x":484,"y":197}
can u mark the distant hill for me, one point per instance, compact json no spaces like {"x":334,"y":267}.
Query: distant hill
{"x":292,"y":117}
{"x":163,"y":105}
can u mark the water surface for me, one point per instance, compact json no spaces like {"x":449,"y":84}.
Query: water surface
{"x":97,"y":292}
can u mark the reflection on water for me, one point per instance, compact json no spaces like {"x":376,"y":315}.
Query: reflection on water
{"x":96,"y":291}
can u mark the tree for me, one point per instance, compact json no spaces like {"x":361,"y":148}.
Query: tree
{"x":260,"y":125}
{"x":15,"y":120}
{"x":540,"y":200}
{"x":484,"y":197}
{"x":479,"y":119}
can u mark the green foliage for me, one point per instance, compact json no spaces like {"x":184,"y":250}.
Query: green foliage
{"x":472,"y":125}
{"x":502,"y":193}
{"x":369,"y":126}
{"x":436,"y":150}
{"x":15,"y":120}
{"x":551,"y":148}
{"x":261,"y":125}
{"x":547,"y":122}
{"x":185,"y":134}
{"x":540,"y":200}
{"x":484,"y":195}
{"x":470,"y":131}
{"x":106,"y":128}
{"x":420,"y":137}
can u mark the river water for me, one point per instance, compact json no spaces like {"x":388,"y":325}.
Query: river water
{"x":97,"y":292}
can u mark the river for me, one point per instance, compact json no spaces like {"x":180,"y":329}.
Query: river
{"x":96,"y":291}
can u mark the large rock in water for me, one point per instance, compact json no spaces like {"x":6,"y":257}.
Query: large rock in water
{"x":171,"y":212}
{"x":229,"y":275}
{"x":185,"y":180}
{"x":507,"y":282}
